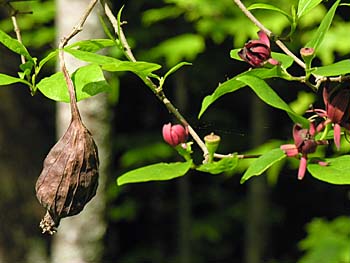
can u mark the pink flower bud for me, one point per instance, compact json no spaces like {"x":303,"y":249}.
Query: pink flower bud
{"x":174,"y":134}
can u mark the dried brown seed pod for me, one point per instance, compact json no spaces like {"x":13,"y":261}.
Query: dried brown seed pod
{"x":69,"y":177}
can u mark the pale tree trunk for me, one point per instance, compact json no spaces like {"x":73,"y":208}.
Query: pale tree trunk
{"x":80,"y":238}
{"x":257,"y":196}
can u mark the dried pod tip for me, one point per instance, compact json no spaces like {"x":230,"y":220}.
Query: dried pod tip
{"x":69,"y":177}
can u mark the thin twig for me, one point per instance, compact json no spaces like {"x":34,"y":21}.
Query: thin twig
{"x":157,"y":91}
{"x":78,"y":28}
{"x":18,"y":33}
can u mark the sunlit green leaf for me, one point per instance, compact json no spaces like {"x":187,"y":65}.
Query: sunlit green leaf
{"x":88,"y":81}
{"x":305,"y":6}
{"x":50,"y":56}
{"x":155,"y":172}
{"x":271,"y":8}
{"x":323,"y":28}
{"x":14,"y":45}
{"x":269,"y":96}
{"x":338,"y":68}
{"x":176,"y":67}
{"x":233,"y":85}
{"x":7,"y":80}
{"x":337,"y":172}
{"x":91,"y":57}
{"x":92,"y":45}
{"x":264,"y":162}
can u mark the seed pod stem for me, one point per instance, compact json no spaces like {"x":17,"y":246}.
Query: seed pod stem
{"x":70,"y":86}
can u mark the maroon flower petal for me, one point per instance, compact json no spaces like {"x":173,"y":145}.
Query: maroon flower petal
{"x":302,"y":167}
{"x":264,"y":38}
{"x":337,"y":133}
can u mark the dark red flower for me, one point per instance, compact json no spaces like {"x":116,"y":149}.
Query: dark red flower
{"x":304,"y":143}
{"x":257,"y":52}
{"x":337,"y":102}
{"x":175,"y":134}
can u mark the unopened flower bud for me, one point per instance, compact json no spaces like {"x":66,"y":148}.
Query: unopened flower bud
{"x":174,"y":134}
{"x":307,"y":52}
{"x":212,"y":142}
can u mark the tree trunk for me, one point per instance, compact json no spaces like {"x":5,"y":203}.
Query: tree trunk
{"x":257,"y":196}
{"x":80,"y":238}
{"x":184,"y":199}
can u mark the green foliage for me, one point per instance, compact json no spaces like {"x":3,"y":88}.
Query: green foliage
{"x":305,"y":6}
{"x":271,"y":8}
{"x":14,"y":45}
{"x":233,"y":84}
{"x":227,"y":164}
{"x":265,"y":93}
{"x":88,"y":81}
{"x":7,"y":80}
{"x":327,"y":241}
{"x":155,"y":172}
{"x":323,"y":28}
{"x":338,"y":68}
{"x":263,"y":163}
{"x":337,"y":172}
{"x":176,"y":49}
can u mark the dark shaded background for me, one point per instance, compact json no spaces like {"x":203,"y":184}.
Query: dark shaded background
{"x":146,"y":221}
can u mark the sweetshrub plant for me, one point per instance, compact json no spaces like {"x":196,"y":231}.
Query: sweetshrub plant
{"x":310,"y":130}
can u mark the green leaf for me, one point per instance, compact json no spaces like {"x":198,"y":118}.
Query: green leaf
{"x":224,"y":165}
{"x":88,"y":81}
{"x":323,"y":28}
{"x":233,"y":85}
{"x":268,"y":95}
{"x":305,"y":6}
{"x":7,"y":80}
{"x":263,"y":163}
{"x":175,"y":68}
{"x":338,"y":68}
{"x":92,"y":45}
{"x":140,"y":68}
{"x":155,"y":172}
{"x":54,"y":87}
{"x":270,"y":7}
{"x":337,"y":172}
{"x":14,"y":45}
{"x":285,"y":60}
{"x":50,"y":56}
{"x":91,"y":57}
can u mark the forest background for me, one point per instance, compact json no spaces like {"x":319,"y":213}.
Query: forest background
{"x":198,"y":217}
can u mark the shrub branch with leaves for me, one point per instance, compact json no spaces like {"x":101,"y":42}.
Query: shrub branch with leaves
{"x":308,"y":132}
